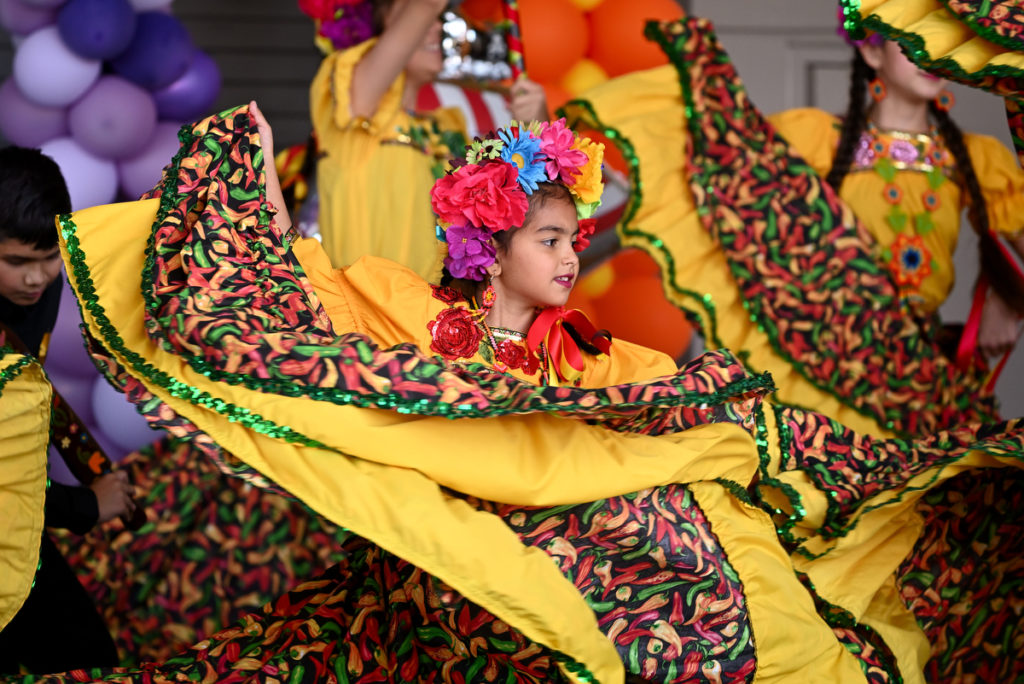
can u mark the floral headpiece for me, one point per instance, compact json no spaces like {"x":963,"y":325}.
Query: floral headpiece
{"x":340,"y":24}
{"x":488,"y":190}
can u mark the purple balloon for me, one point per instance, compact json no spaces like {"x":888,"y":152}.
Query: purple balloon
{"x":48,"y":73}
{"x":191,"y":96}
{"x":90,"y":180}
{"x":158,"y":54}
{"x":140,"y":173}
{"x":118,"y":419}
{"x":97,"y":29}
{"x":44,"y":3}
{"x":114,"y":120}
{"x":21,"y":19}
{"x":77,"y":392}
{"x":67,"y":355}
{"x":25,"y":123}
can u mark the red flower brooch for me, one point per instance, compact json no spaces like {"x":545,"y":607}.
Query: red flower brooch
{"x":455,"y":334}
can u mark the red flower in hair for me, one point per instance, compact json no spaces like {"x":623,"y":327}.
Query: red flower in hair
{"x":587,"y":228}
{"x":455,"y":334}
{"x":322,"y":9}
{"x":482,"y":195}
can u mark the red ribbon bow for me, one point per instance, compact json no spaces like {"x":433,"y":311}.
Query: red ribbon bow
{"x":549,"y":329}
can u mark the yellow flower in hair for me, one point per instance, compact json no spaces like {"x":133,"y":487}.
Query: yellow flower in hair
{"x":589,"y":186}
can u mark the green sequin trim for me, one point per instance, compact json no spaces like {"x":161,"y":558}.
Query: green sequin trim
{"x":914,"y":45}
{"x":835,"y":616}
{"x":14,"y":370}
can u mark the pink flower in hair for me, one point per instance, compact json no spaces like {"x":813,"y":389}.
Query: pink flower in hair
{"x":564,"y":162}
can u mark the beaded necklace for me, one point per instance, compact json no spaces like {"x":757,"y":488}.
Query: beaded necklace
{"x":888,"y":153}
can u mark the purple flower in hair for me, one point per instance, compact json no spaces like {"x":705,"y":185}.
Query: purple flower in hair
{"x":869,"y":38}
{"x":352,"y":25}
{"x":470,"y":252}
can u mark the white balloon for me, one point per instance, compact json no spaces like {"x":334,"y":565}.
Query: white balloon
{"x":50,"y":74}
{"x":91,"y":180}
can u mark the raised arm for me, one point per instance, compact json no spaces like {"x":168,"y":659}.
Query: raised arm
{"x":405,"y":28}
{"x":274,"y":194}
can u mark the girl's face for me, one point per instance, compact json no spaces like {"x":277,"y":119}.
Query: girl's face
{"x":901,"y":76}
{"x":539,"y":266}
{"x":426,"y":62}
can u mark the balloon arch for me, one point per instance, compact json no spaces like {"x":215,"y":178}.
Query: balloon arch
{"x":102,"y":87}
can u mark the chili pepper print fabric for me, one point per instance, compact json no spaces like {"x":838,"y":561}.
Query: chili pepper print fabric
{"x":214,"y":549}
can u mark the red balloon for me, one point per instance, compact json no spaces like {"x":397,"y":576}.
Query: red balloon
{"x":555,"y":36}
{"x":617,"y":42}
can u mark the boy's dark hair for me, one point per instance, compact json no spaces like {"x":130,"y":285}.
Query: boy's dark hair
{"x":32,"y":193}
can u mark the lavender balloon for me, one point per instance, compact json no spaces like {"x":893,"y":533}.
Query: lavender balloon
{"x":139,"y":174}
{"x":97,"y":29}
{"x":25,"y":123}
{"x":50,"y":74}
{"x":44,"y":3}
{"x":159,"y":53}
{"x":90,"y":180}
{"x":118,"y":419}
{"x":21,"y":19}
{"x":114,"y":120}
{"x":67,"y":355}
{"x":191,"y":96}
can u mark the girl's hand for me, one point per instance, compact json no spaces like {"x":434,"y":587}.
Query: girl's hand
{"x":527,"y":101}
{"x":113,"y":495}
{"x":1000,"y":327}
{"x":274,"y":194}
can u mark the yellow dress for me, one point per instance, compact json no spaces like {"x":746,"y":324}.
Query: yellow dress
{"x":923,"y":171}
{"x":374,"y":175}
{"x":325,"y":383}
{"x":25,"y":395}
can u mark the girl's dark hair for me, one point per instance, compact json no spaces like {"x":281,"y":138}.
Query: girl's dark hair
{"x":380,"y":13}
{"x":1002,"y":276}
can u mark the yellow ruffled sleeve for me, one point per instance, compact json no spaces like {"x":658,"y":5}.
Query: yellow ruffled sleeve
{"x":331,"y":94}
{"x":627,"y":362}
{"x":24,"y":437}
{"x":812,"y":132}
{"x":374,"y":297}
{"x":1002,"y":183}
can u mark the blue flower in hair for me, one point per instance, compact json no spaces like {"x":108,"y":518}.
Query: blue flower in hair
{"x":522,"y":149}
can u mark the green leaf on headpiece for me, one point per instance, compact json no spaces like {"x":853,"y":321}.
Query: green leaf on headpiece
{"x":585,"y":211}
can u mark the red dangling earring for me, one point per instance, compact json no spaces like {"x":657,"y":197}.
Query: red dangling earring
{"x":488,"y":298}
{"x":877,"y":89}
{"x":945,"y":101}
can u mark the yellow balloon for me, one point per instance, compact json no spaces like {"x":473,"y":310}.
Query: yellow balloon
{"x":587,"y":5}
{"x":584,"y":74}
{"x":598,"y":281}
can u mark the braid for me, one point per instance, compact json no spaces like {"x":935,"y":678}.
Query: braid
{"x":854,"y":122}
{"x":1002,"y":276}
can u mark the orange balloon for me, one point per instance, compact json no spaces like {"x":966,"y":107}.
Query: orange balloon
{"x":633,"y":306}
{"x":481,"y":11}
{"x":556,"y":94}
{"x":616,"y":29}
{"x":555,"y":37}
